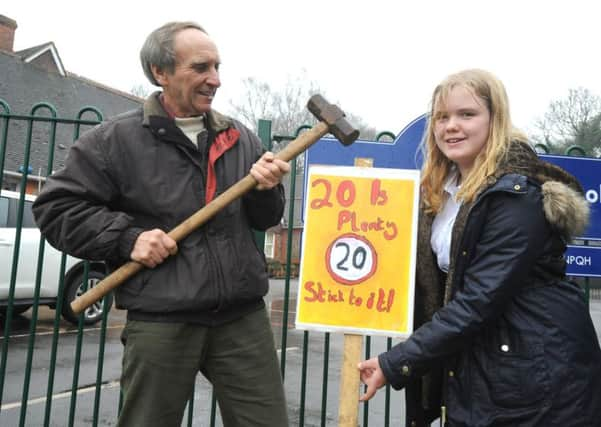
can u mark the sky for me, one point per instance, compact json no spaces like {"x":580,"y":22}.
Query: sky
{"x":377,"y":59}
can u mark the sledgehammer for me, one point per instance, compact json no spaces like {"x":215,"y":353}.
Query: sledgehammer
{"x":331,"y":120}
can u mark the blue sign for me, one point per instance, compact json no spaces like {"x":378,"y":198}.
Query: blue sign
{"x":588,"y":172}
{"x":402,"y":153}
{"x":583,"y":261}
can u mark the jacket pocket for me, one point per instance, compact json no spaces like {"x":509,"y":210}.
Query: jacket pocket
{"x":243,"y":268}
{"x":516,"y":381}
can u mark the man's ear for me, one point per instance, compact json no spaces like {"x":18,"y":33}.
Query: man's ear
{"x":159,"y":75}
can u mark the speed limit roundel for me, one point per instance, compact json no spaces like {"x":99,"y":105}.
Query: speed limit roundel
{"x":351,"y":259}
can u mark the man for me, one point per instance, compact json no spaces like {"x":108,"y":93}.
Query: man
{"x":130,"y":179}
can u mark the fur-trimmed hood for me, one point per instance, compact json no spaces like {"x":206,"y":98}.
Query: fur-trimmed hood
{"x":563,"y":197}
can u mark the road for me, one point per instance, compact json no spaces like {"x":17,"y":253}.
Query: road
{"x":82,"y":411}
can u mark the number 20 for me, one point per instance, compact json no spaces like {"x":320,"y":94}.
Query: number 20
{"x":345,"y":194}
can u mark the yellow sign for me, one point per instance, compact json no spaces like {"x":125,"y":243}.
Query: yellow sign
{"x":358,"y":257}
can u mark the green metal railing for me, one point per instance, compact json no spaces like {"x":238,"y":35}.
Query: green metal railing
{"x":38,"y":281}
{"x":386,"y":133}
{"x":55,"y":336}
{"x":317,"y":401}
{"x":52,"y":120}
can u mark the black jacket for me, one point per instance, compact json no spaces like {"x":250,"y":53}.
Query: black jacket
{"x":514,"y":344}
{"x":139,"y":171}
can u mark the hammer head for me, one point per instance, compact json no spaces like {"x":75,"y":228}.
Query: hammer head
{"x":333,"y":116}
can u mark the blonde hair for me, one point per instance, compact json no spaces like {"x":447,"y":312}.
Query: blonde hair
{"x":501,"y":133}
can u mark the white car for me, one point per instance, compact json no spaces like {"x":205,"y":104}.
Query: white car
{"x":28,"y":266}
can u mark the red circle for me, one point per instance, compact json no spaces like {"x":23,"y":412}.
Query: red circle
{"x":342,"y":280}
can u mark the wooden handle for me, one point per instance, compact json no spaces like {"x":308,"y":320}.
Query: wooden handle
{"x":103,"y":287}
{"x":116,"y":278}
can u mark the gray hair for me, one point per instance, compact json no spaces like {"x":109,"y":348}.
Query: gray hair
{"x":158,"y":48}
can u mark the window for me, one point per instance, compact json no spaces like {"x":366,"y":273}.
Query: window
{"x":28,"y":221}
{"x":3,"y":212}
{"x":269,"y":244}
{"x":9,"y":212}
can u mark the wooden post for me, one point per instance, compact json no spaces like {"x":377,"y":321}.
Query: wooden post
{"x":348,"y":409}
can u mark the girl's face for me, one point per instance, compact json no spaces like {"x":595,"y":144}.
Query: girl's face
{"x":461,"y":127}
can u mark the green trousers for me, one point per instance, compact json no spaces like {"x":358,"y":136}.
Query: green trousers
{"x":161,"y":361}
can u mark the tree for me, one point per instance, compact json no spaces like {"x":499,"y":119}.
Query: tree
{"x":574,"y":120}
{"x":140,"y":91}
{"x":285,"y":108}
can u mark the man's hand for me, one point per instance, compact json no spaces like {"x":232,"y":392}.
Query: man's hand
{"x":372,"y":376}
{"x":152,"y":247}
{"x":268,"y":171}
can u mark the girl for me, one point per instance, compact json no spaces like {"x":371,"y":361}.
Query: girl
{"x":502,"y":338}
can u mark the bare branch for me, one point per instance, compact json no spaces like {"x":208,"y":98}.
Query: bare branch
{"x":573,"y":120}
{"x":284,"y":107}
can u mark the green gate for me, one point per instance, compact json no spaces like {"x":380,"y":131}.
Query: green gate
{"x":57,"y":373}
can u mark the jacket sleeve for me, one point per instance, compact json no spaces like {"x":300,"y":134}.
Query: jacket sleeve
{"x":72,"y":210}
{"x":511,"y":240}
{"x":264,"y":208}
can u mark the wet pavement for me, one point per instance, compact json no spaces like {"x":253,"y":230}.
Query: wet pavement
{"x":321,"y":360}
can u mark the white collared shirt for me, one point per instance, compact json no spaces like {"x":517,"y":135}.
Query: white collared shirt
{"x":442,"y":227}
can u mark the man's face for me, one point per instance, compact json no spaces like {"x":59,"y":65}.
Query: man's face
{"x":189,"y":90}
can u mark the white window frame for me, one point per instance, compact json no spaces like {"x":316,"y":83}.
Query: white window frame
{"x":268,"y":247}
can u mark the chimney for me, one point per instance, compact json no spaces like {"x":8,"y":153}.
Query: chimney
{"x":7,"y":33}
